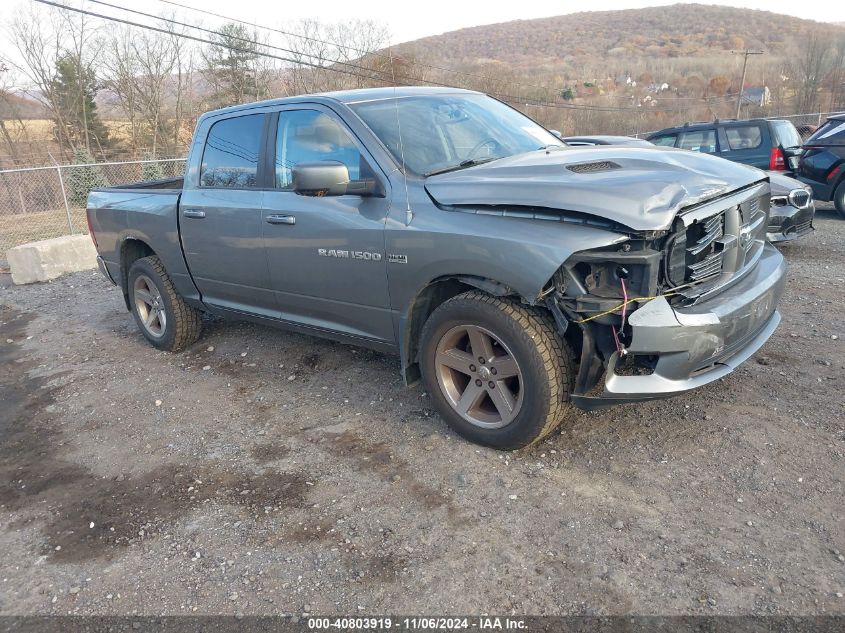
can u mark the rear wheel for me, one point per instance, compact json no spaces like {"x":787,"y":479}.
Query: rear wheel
{"x":839,"y":199}
{"x":497,"y":371}
{"x":162,"y":315}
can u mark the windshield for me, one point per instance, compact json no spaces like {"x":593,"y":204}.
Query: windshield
{"x":444,"y":132}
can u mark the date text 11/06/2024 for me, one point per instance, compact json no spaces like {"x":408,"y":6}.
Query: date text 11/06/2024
{"x":485,"y":623}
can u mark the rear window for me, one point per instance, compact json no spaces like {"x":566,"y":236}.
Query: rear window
{"x":832,"y":132}
{"x":786,"y":134}
{"x":230,"y":158}
{"x":744,"y":137}
{"x":700,"y":141}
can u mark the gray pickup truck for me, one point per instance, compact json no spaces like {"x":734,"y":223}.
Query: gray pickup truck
{"x":517,"y":276}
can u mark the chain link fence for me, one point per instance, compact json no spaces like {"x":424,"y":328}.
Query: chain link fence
{"x":38,"y":203}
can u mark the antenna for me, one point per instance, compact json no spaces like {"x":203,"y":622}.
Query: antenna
{"x":409,"y":215}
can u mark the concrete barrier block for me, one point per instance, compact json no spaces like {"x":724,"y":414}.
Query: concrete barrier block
{"x":48,"y":259}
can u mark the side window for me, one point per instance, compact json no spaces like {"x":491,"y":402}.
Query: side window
{"x":308,"y":136}
{"x":230,"y":157}
{"x":667,"y":140}
{"x":699,"y":141}
{"x":744,"y":137}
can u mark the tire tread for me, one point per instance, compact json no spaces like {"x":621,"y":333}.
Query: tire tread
{"x":556,"y":357}
{"x":187,"y":320}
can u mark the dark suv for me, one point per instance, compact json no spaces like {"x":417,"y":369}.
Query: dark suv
{"x":822,"y":164}
{"x":767,"y":144}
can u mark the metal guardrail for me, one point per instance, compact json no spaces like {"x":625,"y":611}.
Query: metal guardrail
{"x":38,"y":203}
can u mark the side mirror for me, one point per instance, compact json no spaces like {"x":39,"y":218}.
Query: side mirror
{"x":557,"y":133}
{"x":328,"y":178}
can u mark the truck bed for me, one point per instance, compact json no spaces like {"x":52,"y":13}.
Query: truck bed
{"x":164,"y":184}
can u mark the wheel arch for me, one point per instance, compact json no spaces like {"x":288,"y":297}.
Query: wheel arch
{"x":426,"y":300}
{"x":131,"y":250}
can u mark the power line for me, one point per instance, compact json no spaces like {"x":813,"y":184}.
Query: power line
{"x":393,"y":55}
{"x":507,"y":97}
{"x":229,"y":36}
{"x":342,"y":46}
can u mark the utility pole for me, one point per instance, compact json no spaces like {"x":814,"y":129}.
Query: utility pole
{"x":746,"y":52}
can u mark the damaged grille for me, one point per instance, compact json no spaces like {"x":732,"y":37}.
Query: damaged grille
{"x":697,"y":251}
{"x":722,"y":243}
{"x":590,"y":168}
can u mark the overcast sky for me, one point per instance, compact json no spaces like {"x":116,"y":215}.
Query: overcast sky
{"x":411,"y":20}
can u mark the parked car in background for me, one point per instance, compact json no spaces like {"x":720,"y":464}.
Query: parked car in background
{"x":764,"y":143}
{"x":822,"y":164}
{"x":579,"y":141}
{"x":792,"y":209}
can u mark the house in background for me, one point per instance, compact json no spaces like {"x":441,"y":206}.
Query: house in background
{"x":758,"y":96}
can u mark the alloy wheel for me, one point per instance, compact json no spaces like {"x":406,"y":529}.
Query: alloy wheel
{"x":149,"y":305}
{"x":479,"y":376}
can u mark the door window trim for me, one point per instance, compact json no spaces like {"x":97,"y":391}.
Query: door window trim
{"x":261,"y":166}
{"x":271,"y":140}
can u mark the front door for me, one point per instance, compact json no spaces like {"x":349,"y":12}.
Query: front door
{"x":221,"y":218}
{"x":326,"y":254}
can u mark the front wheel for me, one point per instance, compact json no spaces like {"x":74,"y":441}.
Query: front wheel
{"x":162,"y":315}
{"x":839,"y":199}
{"x":497,"y":371}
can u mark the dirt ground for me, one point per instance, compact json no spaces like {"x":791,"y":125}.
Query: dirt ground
{"x":265,"y":472}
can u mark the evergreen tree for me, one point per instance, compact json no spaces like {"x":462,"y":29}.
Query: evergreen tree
{"x":81,"y":180}
{"x":77,"y":123}
{"x":151,"y":168}
{"x":233,"y":66}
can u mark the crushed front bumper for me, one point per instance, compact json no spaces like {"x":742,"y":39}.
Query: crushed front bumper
{"x":788,"y":223}
{"x":698,"y":344}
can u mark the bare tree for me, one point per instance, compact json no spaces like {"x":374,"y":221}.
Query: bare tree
{"x":51,"y":43}
{"x":341,"y":55}
{"x":236,"y":67}
{"x":810,"y":68}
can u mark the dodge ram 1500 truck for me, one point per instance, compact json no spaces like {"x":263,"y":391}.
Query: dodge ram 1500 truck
{"x":516,"y":276}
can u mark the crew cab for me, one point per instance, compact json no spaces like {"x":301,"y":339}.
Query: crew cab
{"x":515,"y":275}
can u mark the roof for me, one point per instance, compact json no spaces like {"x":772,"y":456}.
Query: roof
{"x":697,"y":125}
{"x":348,"y":96}
{"x":373,"y":94}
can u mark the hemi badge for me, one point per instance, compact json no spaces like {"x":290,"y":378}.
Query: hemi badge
{"x":397,"y":259}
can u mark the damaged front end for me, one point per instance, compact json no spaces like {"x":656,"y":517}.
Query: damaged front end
{"x":667,"y":311}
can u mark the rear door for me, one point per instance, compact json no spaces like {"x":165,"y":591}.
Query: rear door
{"x":745,"y":142}
{"x":703,"y":140}
{"x":220,"y":217}
{"x":326,"y":257}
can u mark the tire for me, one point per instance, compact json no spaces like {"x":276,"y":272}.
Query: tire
{"x":163,"y":317}
{"x":515,"y":406}
{"x":839,"y":199}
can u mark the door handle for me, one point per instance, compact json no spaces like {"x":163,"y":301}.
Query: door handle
{"x":281,"y":219}
{"x":193,"y":213}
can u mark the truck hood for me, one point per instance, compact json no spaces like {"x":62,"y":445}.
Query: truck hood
{"x":639,"y":187}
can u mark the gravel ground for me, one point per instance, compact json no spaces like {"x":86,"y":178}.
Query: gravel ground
{"x":265,"y":472}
